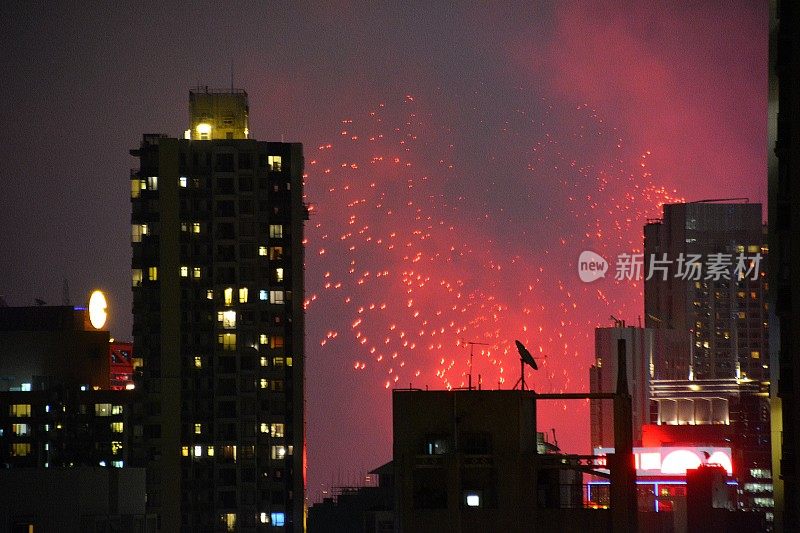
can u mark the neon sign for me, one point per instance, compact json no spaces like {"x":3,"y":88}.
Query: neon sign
{"x":673,"y":461}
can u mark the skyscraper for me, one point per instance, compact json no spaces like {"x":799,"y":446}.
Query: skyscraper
{"x":726,"y":316}
{"x":217,"y":272}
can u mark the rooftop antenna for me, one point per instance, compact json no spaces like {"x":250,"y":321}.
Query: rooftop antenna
{"x":471,"y":346}
{"x":65,"y":293}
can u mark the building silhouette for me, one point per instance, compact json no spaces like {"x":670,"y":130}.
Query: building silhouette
{"x":217,"y":274}
{"x":65,"y":427}
{"x":784,"y":232}
{"x":472,"y":460}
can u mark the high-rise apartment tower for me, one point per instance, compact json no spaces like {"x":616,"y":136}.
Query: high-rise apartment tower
{"x":217,"y":233}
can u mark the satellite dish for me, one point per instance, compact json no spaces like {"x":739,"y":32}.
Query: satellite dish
{"x":526,"y":356}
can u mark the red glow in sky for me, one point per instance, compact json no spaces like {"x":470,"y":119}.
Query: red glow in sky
{"x":459,"y":158}
{"x":431,"y":229}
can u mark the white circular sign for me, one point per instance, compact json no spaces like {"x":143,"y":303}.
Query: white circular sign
{"x":97,"y":309}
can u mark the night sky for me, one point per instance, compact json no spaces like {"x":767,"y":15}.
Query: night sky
{"x":457,"y":160}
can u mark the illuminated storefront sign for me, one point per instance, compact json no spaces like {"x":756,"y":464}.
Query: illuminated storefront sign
{"x":673,"y":461}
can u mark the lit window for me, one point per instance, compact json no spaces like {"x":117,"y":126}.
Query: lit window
{"x":276,"y":297}
{"x":276,"y":342}
{"x":263,"y":339}
{"x":198,"y":362}
{"x":116,"y":447}
{"x":195,"y":227}
{"x":138,"y":231}
{"x":198,"y":451}
{"x":264,"y":427}
{"x":276,"y":253}
{"x":436,"y":446}
{"x":228,"y":319}
{"x":20,"y":430}
{"x":152,"y":183}
{"x":279,"y":274}
{"x":278,"y":519}
{"x":20,"y":449}
{"x":276,"y":430}
{"x":274,"y":162}
{"x":262,"y":250}
{"x":198,"y":429}
{"x":742,"y":315}
{"x":264,"y":361}
{"x":755,"y":354}
{"x":185,"y":451}
{"x":753,"y":249}
{"x":117,"y":427}
{"x":136,"y":186}
{"x":229,"y":452}
{"x":263,"y":518}
{"x":210,"y":451}
{"x":136,"y":277}
{"x":143,"y":185}
{"x":277,"y":361}
{"x":288,"y":361}
{"x":184,"y":181}
{"x":116,"y":409}
{"x":184,"y":227}
{"x":263,"y":383}
{"x":263,"y":295}
{"x":102,"y":409}
{"x":228,"y":296}
{"x":278,"y":452}
{"x":243,"y":295}
{"x":196,"y":273}
{"x":228,"y":341}
{"x":152,"y":273}
{"x":210,"y":294}
{"x":230,"y":518}
{"x":184,"y":271}
{"x":276,"y":231}
{"x":117,"y":464}
{"x":472,"y":498}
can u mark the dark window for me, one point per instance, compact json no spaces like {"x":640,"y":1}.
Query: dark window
{"x":226,"y":252}
{"x":226,"y":230}
{"x":475,"y":443}
{"x":225,"y":185}
{"x":226,"y":208}
{"x":224,"y":163}
{"x":245,"y":183}
{"x":430,"y":488}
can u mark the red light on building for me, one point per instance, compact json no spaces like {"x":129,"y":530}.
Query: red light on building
{"x":673,"y":461}
{"x":121,"y":367}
